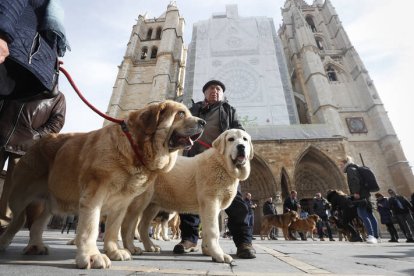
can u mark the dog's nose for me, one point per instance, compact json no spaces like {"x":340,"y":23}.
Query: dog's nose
{"x":201,"y":122}
{"x":241,"y":147}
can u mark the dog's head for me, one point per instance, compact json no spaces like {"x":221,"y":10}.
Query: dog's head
{"x":161,"y":129}
{"x":235,"y":145}
{"x":314,"y":217}
{"x":294,"y":216}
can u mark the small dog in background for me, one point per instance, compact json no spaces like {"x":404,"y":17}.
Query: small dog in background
{"x":280,"y":221}
{"x":307,"y":225}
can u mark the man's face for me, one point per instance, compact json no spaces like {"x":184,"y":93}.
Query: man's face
{"x":213,"y":94}
{"x":293,"y":195}
{"x":391,"y":192}
{"x":318,"y":195}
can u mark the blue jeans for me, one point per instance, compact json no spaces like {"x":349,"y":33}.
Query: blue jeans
{"x":370,"y":223}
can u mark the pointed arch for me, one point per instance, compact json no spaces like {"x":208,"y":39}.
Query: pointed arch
{"x":261,"y":183}
{"x":316,"y":172}
{"x":335,"y":69}
{"x":311,"y":23}
{"x":158,"y":33}
{"x":154,"y":51}
{"x":149,"y":34}
{"x":285,"y":184}
{"x":144,"y":52}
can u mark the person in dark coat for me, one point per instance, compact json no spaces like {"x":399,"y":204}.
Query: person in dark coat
{"x":342,"y":206}
{"x":361,"y":198}
{"x":384,"y":211}
{"x":320,"y":207}
{"x":291,"y":203}
{"x":251,"y":207}
{"x":220,"y":116}
{"x":401,"y":209}
{"x":32,"y":37}
{"x":270,"y":209}
{"x":22,"y":123}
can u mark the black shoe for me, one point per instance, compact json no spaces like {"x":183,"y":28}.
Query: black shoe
{"x":185,"y":247}
{"x":410,"y":240}
{"x":331,"y":239}
{"x":246,"y":251}
{"x":393,"y":240}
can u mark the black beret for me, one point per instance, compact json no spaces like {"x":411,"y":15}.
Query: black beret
{"x":214,"y":82}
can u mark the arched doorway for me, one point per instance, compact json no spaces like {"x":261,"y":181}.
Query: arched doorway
{"x":316,"y":172}
{"x":262,"y":185}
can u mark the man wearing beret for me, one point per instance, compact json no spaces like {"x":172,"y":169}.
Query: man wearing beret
{"x":220,"y":116}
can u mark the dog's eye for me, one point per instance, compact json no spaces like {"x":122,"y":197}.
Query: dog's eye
{"x":181,"y":114}
{"x":244,"y":139}
{"x":231,"y":139}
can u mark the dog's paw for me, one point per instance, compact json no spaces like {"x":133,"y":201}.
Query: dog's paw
{"x":166,"y":238}
{"x":225,"y":258}
{"x":97,"y":261}
{"x":119,"y":255}
{"x":36,"y":250}
{"x":136,"y":250}
{"x":153,"y":248}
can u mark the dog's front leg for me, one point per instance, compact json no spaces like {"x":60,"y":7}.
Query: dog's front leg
{"x":113,"y":225}
{"x":147,"y":216}
{"x":209,"y":213}
{"x":88,"y":255}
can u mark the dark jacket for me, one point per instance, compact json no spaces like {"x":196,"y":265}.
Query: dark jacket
{"x":250,"y":207}
{"x":22,"y":123}
{"x":320,"y":206}
{"x":356,"y":186}
{"x":395,"y":208}
{"x":289,"y":205}
{"x":227,"y":117}
{"x":30,"y":47}
{"x":269,"y":209}
{"x":384,"y":210}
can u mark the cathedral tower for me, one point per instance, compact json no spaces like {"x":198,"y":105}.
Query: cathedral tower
{"x":332,"y":86}
{"x":153,"y":65}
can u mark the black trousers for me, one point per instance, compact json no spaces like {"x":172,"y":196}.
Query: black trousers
{"x":238,"y":223}
{"x":393,"y":232}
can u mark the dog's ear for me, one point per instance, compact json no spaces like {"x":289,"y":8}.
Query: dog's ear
{"x":220,"y":142}
{"x":146,"y":119}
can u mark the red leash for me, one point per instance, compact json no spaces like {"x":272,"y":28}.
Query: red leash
{"x":204,"y":144}
{"x":123,"y":124}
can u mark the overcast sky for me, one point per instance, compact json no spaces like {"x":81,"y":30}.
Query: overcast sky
{"x":98,"y":31}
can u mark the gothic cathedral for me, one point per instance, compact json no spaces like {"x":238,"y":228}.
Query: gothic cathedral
{"x":303,"y":93}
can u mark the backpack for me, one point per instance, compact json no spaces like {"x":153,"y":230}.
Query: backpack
{"x":368,"y":179}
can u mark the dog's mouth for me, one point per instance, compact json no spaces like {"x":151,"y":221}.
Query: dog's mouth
{"x":179,"y":141}
{"x":240,"y":159}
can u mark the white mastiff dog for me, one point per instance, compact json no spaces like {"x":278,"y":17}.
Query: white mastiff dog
{"x":204,"y":185}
